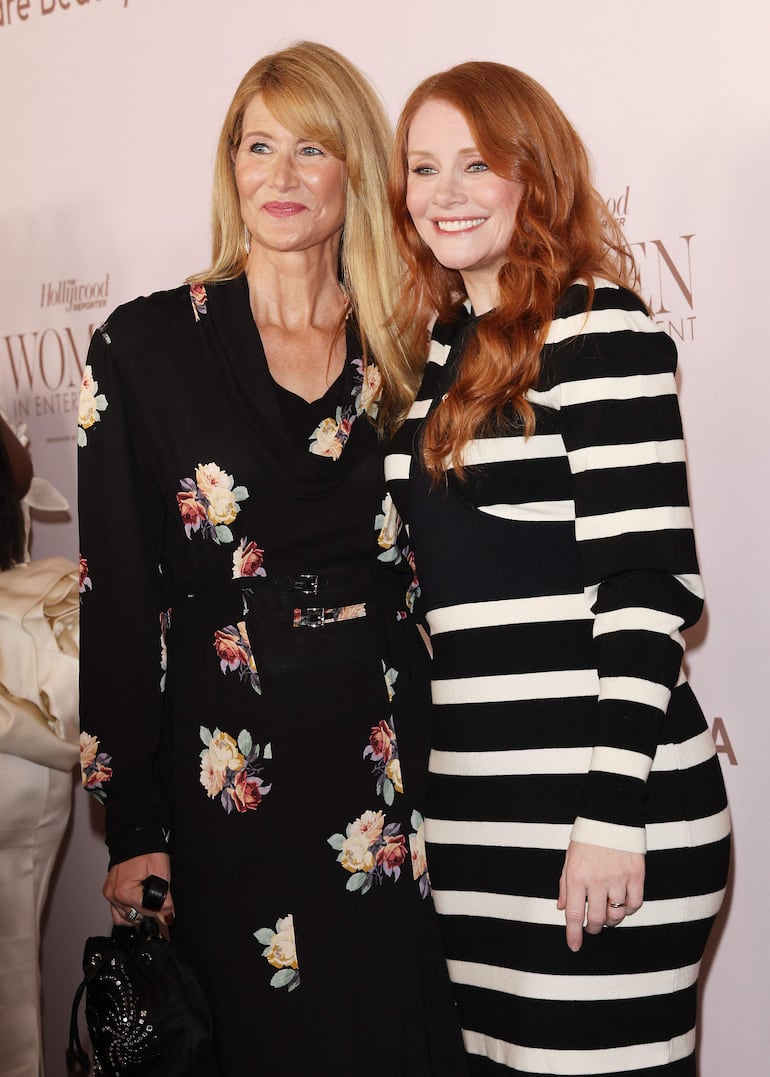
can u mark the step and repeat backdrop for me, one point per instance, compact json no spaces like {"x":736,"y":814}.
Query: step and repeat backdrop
{"x":109,"y":117}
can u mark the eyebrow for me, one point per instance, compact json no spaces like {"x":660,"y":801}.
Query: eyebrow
{"x":466,"y":151}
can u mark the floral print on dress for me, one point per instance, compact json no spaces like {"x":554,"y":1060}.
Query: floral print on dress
{"x":232,"y":770}
{"x":370,"y":850}
{"x":235,"y":655}
{"x":209,"y":502}
{"x":247,"y":560}
{"x":389,"y":528}
{"x":368,"y":388}
{"x":382,"y":749}
{"x":90,"y":404}
{"x":281,"y":952}
{"x":198,"y":298}
{"x":84,"y":582}
{"x":418,"y":857}
{"x":95,"y":771}
{"x":331,"y":435}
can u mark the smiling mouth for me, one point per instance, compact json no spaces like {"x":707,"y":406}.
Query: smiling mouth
{"x":463,"y":225}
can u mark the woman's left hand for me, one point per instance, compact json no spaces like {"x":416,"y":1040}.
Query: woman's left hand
{"x":598,"y":888}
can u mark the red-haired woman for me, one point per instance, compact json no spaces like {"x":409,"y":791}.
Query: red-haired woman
{"x":540,"y":469}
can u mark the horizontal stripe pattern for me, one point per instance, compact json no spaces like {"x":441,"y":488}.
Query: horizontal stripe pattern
{"x":572,"y":988}
{"x":678,"y":834}
{"x":557,"y":580}
{"x":580,"y":1063}
{"x":668,"y":757}
{"x":543,"y":911}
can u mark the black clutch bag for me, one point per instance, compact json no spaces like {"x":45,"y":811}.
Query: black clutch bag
{"x":145,"y":1011}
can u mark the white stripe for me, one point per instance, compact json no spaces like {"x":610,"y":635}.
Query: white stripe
{"x":510,"y":611}
{"x":438,"y":353}
{"x":668,"y":757}
{"x":680,"y":834}
{"x":639,"y":619}
{"x":498,"y":450}
{"x":657,"y":837}
{"x":543,"y":911}
{"x":693,"y":583}
{"x":688,"y":833}
{"x":631,"y":387}
{"x":600,"y":321}
{"x":397,"y":466}
{"x":609,"y":760}
{"x":518,"y":761}
{"x":548,"y":398}
{"x":572,"y":988}
{"x":419,"y":409}
{"x":557,"y":684}
{"x":532,"y":511}
{"x":610,"y":524}
{"x":579,"y":1063}
{"x":601,"y":457}
{"x":630,"y":839}
{"x":634,"y":690}
{"x":690,"y":753}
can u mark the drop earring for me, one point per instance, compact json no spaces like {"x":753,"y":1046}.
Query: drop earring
{"x":246,"y":239}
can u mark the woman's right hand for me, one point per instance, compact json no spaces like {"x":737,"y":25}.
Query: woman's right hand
{"x":123,"y":887}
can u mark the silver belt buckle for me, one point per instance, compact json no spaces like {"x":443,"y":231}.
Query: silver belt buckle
{"x":306,"y":583}
{"x":312,"y":617}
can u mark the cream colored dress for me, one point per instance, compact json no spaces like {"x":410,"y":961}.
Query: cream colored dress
{"x":39,"y":644}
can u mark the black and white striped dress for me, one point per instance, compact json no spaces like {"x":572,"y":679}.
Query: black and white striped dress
{"x":555,"y":583}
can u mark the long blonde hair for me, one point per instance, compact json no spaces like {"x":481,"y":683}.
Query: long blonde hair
{"x":563,"y":232}
{"x":314,"y":91}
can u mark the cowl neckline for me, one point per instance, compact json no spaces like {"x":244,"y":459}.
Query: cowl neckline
{"x":233,"y":333}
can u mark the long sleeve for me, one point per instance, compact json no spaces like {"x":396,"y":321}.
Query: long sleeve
{"x":613,"y":384}
{"x":120,"y":677}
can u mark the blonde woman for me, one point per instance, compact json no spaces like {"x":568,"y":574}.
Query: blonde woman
{"x":253,"y":689}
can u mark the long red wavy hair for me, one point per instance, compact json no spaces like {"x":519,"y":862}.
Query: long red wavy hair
{"x":563,"y":232}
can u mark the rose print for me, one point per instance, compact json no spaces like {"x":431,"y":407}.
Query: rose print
{"x":235,"y":655}
{"x":94,"y":769}
{"x":232,"y":770}
{"x":370,"y":850}
{"x":198,"y":299}
{"x":281,"y":952}
{"x":90,"y":404}
{"x":247,"y":560}
{"x":417,"y":853}
{"x":84,"y":583}
{"x":331,"y":435}
{"x":210,"y":502}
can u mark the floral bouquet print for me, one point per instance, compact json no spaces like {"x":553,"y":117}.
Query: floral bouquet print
{"x":370,"y":849}
{"x":210,"y":502}
{"x":231,"y":770}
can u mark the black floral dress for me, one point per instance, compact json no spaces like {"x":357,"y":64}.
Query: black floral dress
{"x":254,"y":695}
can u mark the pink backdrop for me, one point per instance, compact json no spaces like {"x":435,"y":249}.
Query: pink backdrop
{"x":110,"y":114}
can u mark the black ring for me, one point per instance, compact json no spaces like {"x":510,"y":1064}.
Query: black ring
{"x":154,"y":892}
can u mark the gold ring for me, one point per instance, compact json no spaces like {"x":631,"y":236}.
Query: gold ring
{"x":616,"y":904}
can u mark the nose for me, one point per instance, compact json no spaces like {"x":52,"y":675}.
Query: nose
{"x":284,"y":176}
{"x":448,"y":189}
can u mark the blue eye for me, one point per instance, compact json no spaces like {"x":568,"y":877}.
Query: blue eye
{"x":478,"y":166}
{"x":423,"y":170}
{"x":259,"y":147}
{"x":311,"y":151}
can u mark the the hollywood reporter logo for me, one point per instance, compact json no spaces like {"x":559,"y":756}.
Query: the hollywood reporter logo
{"x":75,"y":295}
{"x":665,"y":273}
